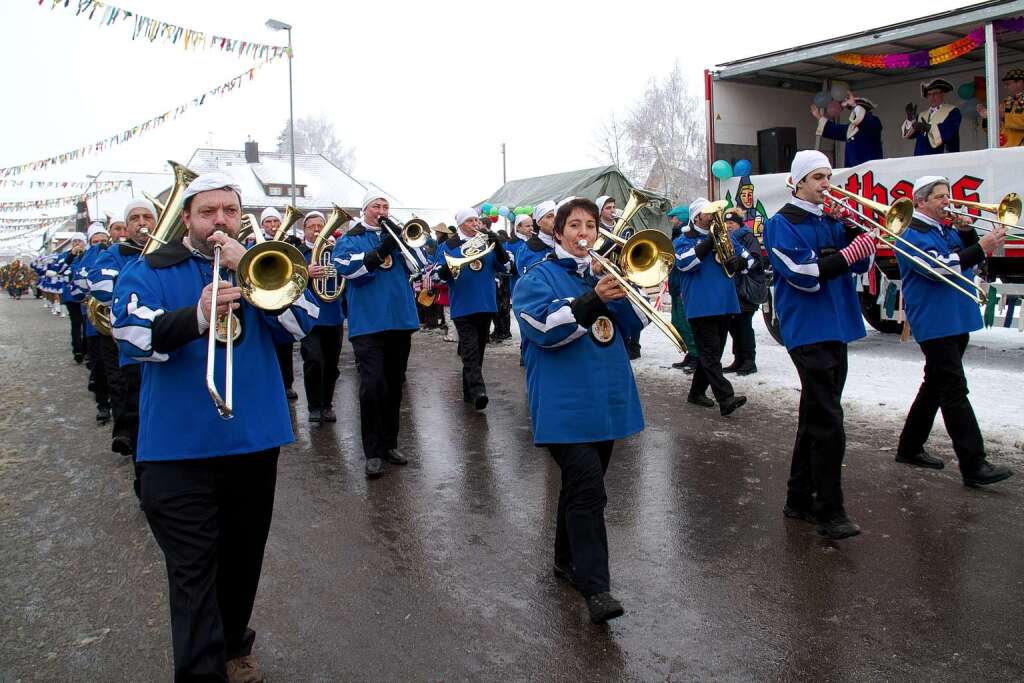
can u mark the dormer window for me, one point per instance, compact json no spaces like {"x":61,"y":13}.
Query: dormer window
{"x":285,"y":190}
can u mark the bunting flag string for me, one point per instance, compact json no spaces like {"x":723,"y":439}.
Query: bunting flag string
{"x":134,"y":131}
{"x":99,"y":184}
{"x":23,"y":235}
{"x":20,"y":223}
{"x":48,"y":203}
{"x":104,"y":14}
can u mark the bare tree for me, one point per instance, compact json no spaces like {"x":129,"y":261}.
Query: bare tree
{"x":315,"y":135}
{"x":610,"y":144}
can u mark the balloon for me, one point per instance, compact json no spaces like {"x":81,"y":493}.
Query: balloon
{"x":518,"y":211}
{"x":833,"y":109}
{"x":966,"y":91}
{"x":839,"y":90}
{"x":503,"y":211}
{"x":493,"y":211}
{"x":485,"y":208}
{"x":494,"y":219}
{"x":721,"y":169}
{"x":822,"y":99}
{"x":528,"y":209}
{"x":742,"y":167}
{"x":969,"y":108}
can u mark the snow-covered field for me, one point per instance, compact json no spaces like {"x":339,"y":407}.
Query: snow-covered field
{"x":884,"y":378}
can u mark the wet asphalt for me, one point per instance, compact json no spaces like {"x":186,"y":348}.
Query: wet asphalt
{"x":442,"y":570}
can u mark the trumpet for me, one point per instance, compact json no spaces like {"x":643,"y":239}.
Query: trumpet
{"x":328,"y":287}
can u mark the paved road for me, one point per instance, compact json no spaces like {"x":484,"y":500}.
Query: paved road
{"x":441,"y":571}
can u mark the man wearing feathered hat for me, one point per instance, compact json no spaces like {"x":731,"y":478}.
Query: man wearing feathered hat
{"x":936,"y":130}
{"x":1011,"y":128}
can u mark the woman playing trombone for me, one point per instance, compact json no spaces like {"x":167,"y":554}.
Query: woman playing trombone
{"x":581,"y":391}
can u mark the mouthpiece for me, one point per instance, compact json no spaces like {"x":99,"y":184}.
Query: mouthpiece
{"x":583,"y":244}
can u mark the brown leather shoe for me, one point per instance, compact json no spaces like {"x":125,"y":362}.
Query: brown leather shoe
{"x":245,"y":670}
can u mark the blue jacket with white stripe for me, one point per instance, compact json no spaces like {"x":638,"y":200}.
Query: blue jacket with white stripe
{"x":815,"y":296}
{"x":81,"y":279}
{"x":331,"y":313}
{"x":154,"y":313}
{"x":933,"y":308}
{"x":578,"y":378}
{"x":473,"y":291}
{"x":533,"y":251}
{"x":706,"y":289}
{"x":107,"y":267}
{"x":378,"y":296}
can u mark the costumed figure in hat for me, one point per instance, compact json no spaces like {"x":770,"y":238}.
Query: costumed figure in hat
{"x":936,"y":130}
{"x":1011,"y":129}
{"x":862,"y":135}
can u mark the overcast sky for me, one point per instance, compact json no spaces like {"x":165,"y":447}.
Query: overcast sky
{"x":425,"y":91}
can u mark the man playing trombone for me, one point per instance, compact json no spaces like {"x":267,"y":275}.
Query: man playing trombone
{"x":381,"y":319}
{"x":472,"y":294}
{"x":941,"y":319}
{"x":207,"y":483}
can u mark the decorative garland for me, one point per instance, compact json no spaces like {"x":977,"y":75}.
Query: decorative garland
{"x":134,"y":131}
{"x":111,"y":184}
{"x":21,"y":223}
{"x":922,"y":59}
{"x":49,"y":203}
{"x":155,"y":29}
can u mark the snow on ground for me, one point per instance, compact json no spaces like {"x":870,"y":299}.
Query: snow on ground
{"x":883,"y":380}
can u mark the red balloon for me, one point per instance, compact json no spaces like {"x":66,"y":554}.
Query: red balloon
{"x":494,"y":219}
{"x":833,"y":109}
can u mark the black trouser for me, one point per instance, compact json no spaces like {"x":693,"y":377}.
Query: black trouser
{"x":632,"y":346}
{"x":124,"y":384}
{"x":944,"y":388}
{"x":98,"y":371}
{"x":503,"y":318}
{"x":320,"y":351}
{"x":474,"y":330}
{"x":741,"y":329}
{"x":815,"y":476}
{"x":77,"y":327}
{"x":710,"y":334}
{"x":211,"y":517}
{"x":381,"y":359}
{"x":581,"y":541}
{"x":284,"y":359}
{"x":432,"y":316}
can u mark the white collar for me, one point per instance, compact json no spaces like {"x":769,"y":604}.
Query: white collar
{"x":697,"y":228}
{"x":546,"y":238}
{"x":807,"y":206}
{"x":582,"y":263}
{"x":308,"y":243}
{"x":375,"y":228}
{"x":464,"y":236}
{"x":928,"y":219}
{"x":195,"y":252}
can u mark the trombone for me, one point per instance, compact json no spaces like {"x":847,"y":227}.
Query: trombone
{"x":271,"y":276}
{"x":414,"y":234}
{"x":897,"y":217}
{"x":1007,"y":212}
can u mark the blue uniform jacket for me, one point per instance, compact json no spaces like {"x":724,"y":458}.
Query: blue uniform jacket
{"x":815,"y":297}
{"x":155,"y":322}
{"x":81,"y":279}
{"x":514,"y":246}
{"x":580,"y":389}
{"x":107,"y":267}
{"x":378,"y":296}
{"x":473,"y":291}
{"x":330,"y":311}
{"x":706,"y":289}
{"x":950,"y":132}
{"x":71,"y":292}
{"x":533,"y":251}
{"x":866,"y":144}
{"x":933,"y":308}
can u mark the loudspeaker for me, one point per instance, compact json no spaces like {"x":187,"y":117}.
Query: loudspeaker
{"x":776,"y":148}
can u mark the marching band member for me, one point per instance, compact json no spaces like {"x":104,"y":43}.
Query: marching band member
{"x":98,"y":238}
{"x":581,"y":391}
{"x":381,"y":319}
{"x":321,"y":348}
{"x":752,"y":291}
{"x":522,"y":231}
{"x":118,"y":231}
{"x":710,"y":302}
{"x":72,"y":295}
{"x":819,"y":314}
{"x":207,"y":483}
{"x":937,"y":130}
{"x":942,"y":319}
{"x":1011,"y":118}
{"x":270,"y":221}
{"x":678,"y":217}
{"x":543,"y":242}
{"x":473,"y":298}
{"x":862,"y":135}
{"x":606,"y":205}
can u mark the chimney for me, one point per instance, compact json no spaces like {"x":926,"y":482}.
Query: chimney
{"x":252,"y":153}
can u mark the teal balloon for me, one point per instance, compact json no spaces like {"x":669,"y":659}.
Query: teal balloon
{"x":742,"y":167}
{"x":969,"y":108}
{"x":722,"y":169}
{"x":822,"y":99}
{"x":485,"y":208}
{"x":966,"y":91}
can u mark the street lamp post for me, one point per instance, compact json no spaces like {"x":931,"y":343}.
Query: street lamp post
{"x":275,"y":25}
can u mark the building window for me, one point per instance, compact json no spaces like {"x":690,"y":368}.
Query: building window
{"x":286,"y":190}
{"x":274,"y":191}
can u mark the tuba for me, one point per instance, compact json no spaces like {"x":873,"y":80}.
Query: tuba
{"x":328,"y":287}
{"x":99,"y":315}
{"x":169,"y":226}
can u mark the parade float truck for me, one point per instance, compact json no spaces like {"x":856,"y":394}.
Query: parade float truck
{"x":759,"y":114}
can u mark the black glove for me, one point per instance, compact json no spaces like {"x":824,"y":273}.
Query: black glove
{"x":703,"y":249}
{"x":911,"y":110}
{"x":387,"y":245}
{"x":736,"y":263}
{"x":921,"y":127}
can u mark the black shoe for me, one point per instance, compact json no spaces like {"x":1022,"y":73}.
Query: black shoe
{"x":603,"y":607}
{"x":480,"y":402}
{"x":103,"y":415}
{"x":986,"y":474}
{"x":633,"y":355}
{"x":374,"y":468}
{"x":729,"y":405}
{"x":394,"y":457}
{"x":328,"y":415}
{"x":314,"y":415}
{"x":565,"y":573}
{"x":121,"y":444}
{"x":922,"y":459}
{"x":837,"y":527}
{"x":804,"y":515}
{"x":79,"y":357}
{"x":290,"y":394}
{"x":732,"y":367}
{"x":681,"y":365}
{"x":702,"y":401}
{"x":748,"y":368}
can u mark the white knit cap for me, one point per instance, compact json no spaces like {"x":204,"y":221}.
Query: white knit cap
{"x":140,"y":203}
{"x":463,"y":215}
{"x":927,"y":181}
{"x":314,"y":214}
{"x":696,"y":205}
{"x":519,"y":219}
{"x":370,"y":196}
{"x":543,"y":209}
{"x":565,"y":201}
{"x":269,"y":212}
{"x":211,"y":181}
{"x":80,"y":236}
{"x":601,"y":201}
{"x":805,"y":161}
{"x":96,"y":228}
